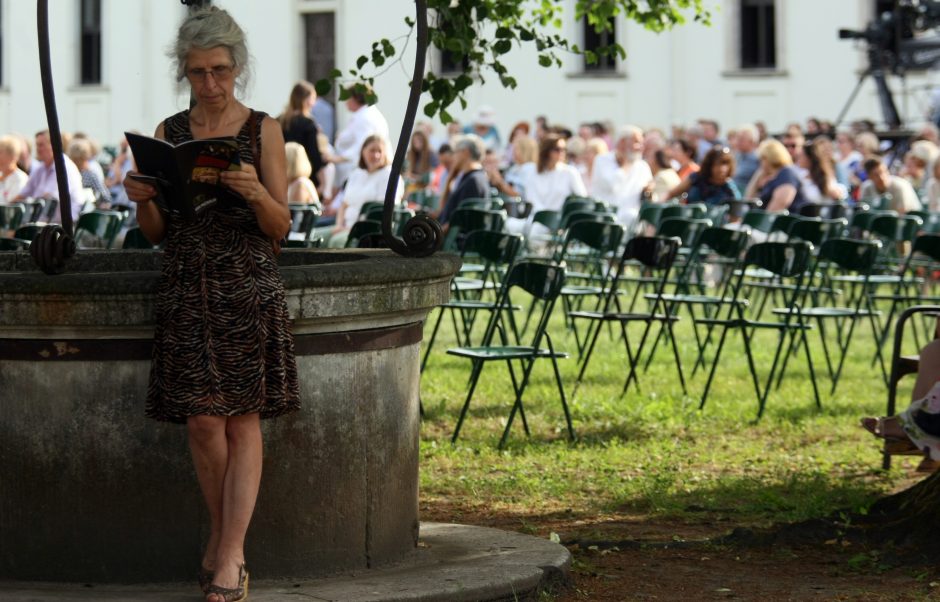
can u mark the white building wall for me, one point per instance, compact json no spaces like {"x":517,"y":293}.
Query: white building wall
{"x":674,"y":77}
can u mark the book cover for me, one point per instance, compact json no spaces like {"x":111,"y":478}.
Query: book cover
{"x":187,"y":176}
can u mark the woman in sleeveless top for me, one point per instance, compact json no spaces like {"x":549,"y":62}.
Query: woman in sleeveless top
{"x":223,"y":354}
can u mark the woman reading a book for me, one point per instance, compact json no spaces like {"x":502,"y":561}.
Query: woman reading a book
{"x":223,"y":353}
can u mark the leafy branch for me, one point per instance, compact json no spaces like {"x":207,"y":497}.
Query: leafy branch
{"x":477,"y":34}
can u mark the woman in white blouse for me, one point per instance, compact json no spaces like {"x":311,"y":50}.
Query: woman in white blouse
{"x":366,"y":183}
{"x":554,"y":180}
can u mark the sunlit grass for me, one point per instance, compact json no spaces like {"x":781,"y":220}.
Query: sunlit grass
{"x":653,"y":452}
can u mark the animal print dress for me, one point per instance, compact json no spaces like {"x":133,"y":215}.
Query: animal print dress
{"x":222,"y":344}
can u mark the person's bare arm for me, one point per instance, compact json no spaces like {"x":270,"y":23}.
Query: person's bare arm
{"x":149,"y":217}
{"x":782,"y":197}
{"x":679,"y":190}
{"x":269,"y":200}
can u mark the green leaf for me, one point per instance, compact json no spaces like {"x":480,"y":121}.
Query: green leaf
{"x":335,"y":74}
{"x":361,"y":62}
{"x":502,"y":47}
{"x":545,"y":60}
{"x":504,"y":33}
{"x":430,"y":109}
{"x":323,"y":86}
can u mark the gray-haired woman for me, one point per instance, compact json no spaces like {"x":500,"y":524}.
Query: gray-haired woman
{"x":223,"y":354}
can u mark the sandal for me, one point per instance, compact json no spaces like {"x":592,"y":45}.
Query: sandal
{"x":893,"y":444}
{"x":205,"y":577}
{"x":236,"y":594}
{"x":928,"y":465}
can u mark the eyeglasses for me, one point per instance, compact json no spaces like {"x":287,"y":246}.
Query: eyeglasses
{"x":219,"y":73}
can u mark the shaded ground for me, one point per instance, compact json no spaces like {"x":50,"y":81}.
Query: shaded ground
{"x":628,"y":557}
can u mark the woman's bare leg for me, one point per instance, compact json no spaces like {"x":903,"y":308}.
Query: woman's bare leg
{"x":239,"y":493}
{"x":209,"y":447}
{"x":928,"y":373}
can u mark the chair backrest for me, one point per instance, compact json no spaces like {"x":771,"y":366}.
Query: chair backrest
{"x":651,"y":213}
{"x":494,"y":247}
{"x":542,"y":281}
{"x":930,"y":219}
{"x":11,"y":216}
{"x":13,"y":244}
{"x":896,"y":228}
{"x":549,"y":218}
{"x":492,"y":204}
{"x":817,"y":230}
{"x":603,"y":237}
{"x":718,"y":214}
{"x":726,"y":242}
{"x":927,"y":244}
{"x":33,"y":209}
{"x":784,"y":223}
{"x":361,"y":229}
{"x":49,"y":208}
{"x":303,"y":218}
{"x":758,"y":219}
{"x":101,"y":225}
{"x":862,"y":220}
{"x":134,"y":239}
{"x":27,"y":231}
{"x":586,"y":216}
{"x":691,"y":211}
{"x":850,"y":253}
{"x":685,"y":228}
{"x":576,"y":206}
{"x":469,"y":220}
{"x":825,"y":210}
{"x":656,"y":252}
{"x":785,"y":259}
{"x":738,"y":208}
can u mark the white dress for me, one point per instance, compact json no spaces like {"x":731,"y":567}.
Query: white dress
{"x":620,"y":187}
{"x":549,"y":189}
{"x":364,"y":186}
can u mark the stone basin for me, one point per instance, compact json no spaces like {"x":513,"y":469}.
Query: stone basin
{"x":92,"y":491}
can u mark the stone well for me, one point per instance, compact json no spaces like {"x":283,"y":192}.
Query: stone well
{"x":92,"y":491}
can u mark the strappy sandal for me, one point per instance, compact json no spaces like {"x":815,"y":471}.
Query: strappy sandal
{"x":236,"y":594}
{"x":205,"y":578}
{"x":894,"y":445}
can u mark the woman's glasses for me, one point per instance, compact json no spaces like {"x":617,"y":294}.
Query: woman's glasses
{"x":219,"y":73}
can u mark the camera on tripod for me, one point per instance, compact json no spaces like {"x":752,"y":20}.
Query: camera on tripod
{"x":894,"y":38}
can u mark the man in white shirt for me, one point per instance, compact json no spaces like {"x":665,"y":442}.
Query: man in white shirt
{"x":366,"y":120}
{"x":42,"y":179}
{"x":620,"y":177}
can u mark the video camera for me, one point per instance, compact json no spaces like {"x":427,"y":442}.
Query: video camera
{"x":894,"y":38}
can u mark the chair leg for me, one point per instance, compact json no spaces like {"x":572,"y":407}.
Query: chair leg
{"x":427,"y":351}
{"x":474,"y":379}
{"x":711,"y":373}
{"x":561,"y":389}
{"x":631,"y":359}
{"x":517,"y":404}
{"x":587,"y":358}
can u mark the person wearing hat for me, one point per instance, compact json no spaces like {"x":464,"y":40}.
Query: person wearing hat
{"x":365,"y":120}
{"x":484,"y":126}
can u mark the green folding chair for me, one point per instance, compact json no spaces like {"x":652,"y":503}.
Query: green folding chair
{"x":787,"y":260}
{"x":134,"y":239}
{"x":303,"y":219}
{"x":11,"y":216}
{"x":362,"y":229}
{"x":842,"y":255}
{"x":497,"y":251}
{"x":543,"y":282}
{"x":98,"y":229}
{"x":658,"y":254}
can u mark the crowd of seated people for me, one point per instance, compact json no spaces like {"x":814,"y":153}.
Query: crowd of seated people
{"x":540,"y":163}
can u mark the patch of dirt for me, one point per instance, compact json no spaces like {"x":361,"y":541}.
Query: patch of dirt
{"x":621,"y":557}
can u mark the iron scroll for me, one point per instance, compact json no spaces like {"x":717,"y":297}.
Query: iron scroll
{"x":423,"y":235}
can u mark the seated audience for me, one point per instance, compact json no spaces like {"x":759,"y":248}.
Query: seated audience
{"x":553,"y":180}
{"x":367,"y":182}
{"x":683,"y":153}
{"x":419,"y":162}
{"x":42,"y":179}
{"x":887,"y":190}
{"x":468,"y":179}
{"x":776,"y":181}
{"x":745,"y":155}
{"x":80,"y":151}
{"x":819,"y":175}
{"x":445,"y":162}
{"x":713,"y":183}
{"x":300,"y":188}
{"x":621,"y":177}
{"x":298,"y":127}
{"x":525,"y":156}
{"x":665,"y":177}
{"x":12,"y":178}
{"x":933,"y":188}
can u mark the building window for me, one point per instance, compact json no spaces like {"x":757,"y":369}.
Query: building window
{"x":595,"y":40}
{"x":758,"y":36}
{"x":91,"y":41}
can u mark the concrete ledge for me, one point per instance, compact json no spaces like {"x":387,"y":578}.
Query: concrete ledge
{"x":454,"y":563}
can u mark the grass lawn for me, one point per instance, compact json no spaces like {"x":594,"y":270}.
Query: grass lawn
{"x":652,"y":456}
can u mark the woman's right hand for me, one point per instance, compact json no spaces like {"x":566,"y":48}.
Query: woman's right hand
{"x":138,"y":191}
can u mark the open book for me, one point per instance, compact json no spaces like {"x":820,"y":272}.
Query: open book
{"x":187,"y":176}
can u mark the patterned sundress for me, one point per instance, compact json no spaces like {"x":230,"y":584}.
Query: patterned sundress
{"x":222,"y":344}
{"x":917,"y":416}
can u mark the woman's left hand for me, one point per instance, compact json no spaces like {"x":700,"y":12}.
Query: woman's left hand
{"x":245,"y":182}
